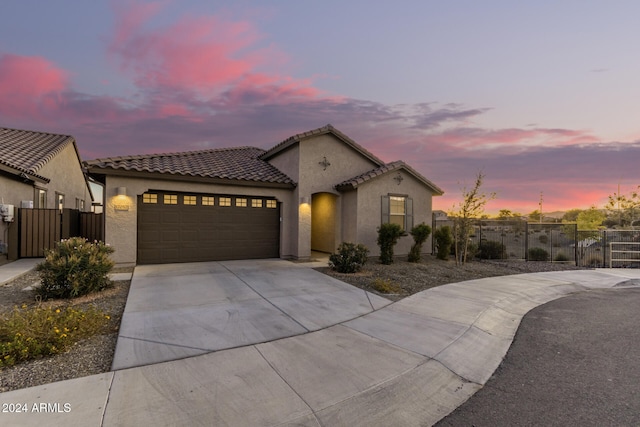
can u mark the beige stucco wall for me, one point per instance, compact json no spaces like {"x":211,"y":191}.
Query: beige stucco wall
{"x":121,"y":225}
{"x":369,"y":210}
{"x":12,"y":192}
{"x":66,"y":177}
{"x":301,"y":162}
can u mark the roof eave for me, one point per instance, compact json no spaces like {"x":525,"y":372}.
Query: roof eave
{"x":98,"y":171}
{"x":25,"y":175}
{"x":328,"y":129}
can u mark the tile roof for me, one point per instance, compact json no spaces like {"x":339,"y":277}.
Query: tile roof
{"x":240,"y":163}
{"x":388,"y":167}
{"x":24,"y":151}
{"x":320,"y":131}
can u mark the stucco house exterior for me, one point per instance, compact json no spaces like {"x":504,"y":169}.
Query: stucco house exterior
{"x":43,"y":168}
{"x":312,"y":191}
{"x":40,"y":170}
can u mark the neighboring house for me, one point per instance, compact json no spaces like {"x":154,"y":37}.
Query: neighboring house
{"x":310,"y":192}
{"x":41,"y":170}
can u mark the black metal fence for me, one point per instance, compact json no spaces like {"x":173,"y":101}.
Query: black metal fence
{"x":553,"y":242}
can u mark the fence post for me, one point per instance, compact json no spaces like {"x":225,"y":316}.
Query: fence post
{"x":604,"y":248}
{"x":575,"y":244}
{"x":526,"y":241}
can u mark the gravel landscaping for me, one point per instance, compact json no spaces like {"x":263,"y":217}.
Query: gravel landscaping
{"x":95,"y":355}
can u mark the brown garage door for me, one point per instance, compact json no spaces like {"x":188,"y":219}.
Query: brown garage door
{"x":182,"y":227}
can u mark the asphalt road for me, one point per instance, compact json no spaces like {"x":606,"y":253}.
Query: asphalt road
{"x":574,"y":362}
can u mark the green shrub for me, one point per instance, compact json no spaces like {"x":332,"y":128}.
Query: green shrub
{"x":492,"y":250}
{"x":27,"y":334}
{"x":420,"y":233}
{"x":560,"y":257}
{"x":385,"y":286}
{"x":74,"y":268}
{"x":388,"y":235}
{"x":350,"y":258}
{"x":538,"y":254}
{"x":543,"y":238}
{"x":444,"y":241}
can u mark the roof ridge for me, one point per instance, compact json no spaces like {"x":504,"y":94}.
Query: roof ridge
{"x":175,"y":153}
{"x":328,"y":128}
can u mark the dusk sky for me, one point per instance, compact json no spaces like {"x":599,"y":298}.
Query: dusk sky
{"x":541,"y":96}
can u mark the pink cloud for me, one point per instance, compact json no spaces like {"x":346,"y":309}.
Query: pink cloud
{"x":206,"y":55}
{"x":29,"y":85}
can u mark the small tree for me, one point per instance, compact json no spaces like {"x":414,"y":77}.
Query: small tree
{"x":623,"y":207}
{"x":471,"y":207}
{"x":420,"y":233}
{"x":388,"y":235}
{"x":444,"y":240}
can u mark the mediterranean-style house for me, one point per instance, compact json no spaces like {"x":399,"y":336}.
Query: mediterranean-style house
{"x":42,"y":169}
{"x":309,"y":193}
{"x":37,"y":170}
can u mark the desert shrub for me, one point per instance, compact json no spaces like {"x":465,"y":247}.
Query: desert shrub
{"x":492,"y":250}
{"x":444,"y":241}
{"x":385,"y":286}
{"x":560,"y":257}
{"x":420,"y":233}
{"x":472,"y":250}
{"x":74,"y":268}
{"x":593,"y":261}
{"x":350,"y":258}
{"x":538,"y":254}
{"x":388,"y":235}
{"x":543,"y":238}
{"x":29,"y":333}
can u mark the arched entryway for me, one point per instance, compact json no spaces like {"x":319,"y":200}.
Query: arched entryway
{"x":323,"y":222}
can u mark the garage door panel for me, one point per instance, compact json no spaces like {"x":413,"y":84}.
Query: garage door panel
{"x":190,"y":233}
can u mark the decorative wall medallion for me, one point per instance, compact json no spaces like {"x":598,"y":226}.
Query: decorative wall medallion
{"x":398,"y":178}
{"x":324,"y":163}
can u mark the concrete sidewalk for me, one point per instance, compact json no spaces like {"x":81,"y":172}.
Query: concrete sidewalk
{"x":408,"y":363}
{"x":15,"y":269}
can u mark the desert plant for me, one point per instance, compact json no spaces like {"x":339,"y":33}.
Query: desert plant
{"x":538,"y":254}
{"x":444,"y":240}
{"x":385,"y":286}
{"x":350,"y":258}
{"x":388,"y":235}
{"x":543,"y":238}
{"x":29,"y":333}
{"x":420,"y":233}
{"x":74,"y":268}
{"x":593,"y":261}
{"x":561,"y":257}
{"x":492,"y":250}
{"x":470,"y":208}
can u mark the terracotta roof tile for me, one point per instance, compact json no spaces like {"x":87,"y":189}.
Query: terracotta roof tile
{"x":388,"y":167}
{"x":28,"y":151}
{"x":321,"y":131}
{"x":240,"y":163}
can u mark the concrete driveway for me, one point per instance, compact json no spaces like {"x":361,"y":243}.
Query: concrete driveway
{"x":409,"y":363}
{"x":175,"y":311}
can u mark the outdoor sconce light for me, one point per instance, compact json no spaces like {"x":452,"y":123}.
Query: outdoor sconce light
{"x":121,"y":191}
{"x":304,"y":200}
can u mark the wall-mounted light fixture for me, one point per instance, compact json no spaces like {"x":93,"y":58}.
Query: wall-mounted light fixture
{"x":121,"y":191}
{"x":304,"y":200}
